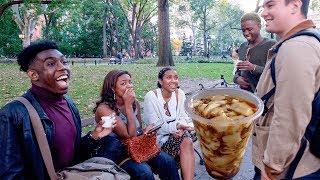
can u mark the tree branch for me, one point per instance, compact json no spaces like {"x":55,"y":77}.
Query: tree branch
{"x":163,"y":4}
{"x":152,"y":13}
{"x":257,"y":6}
{"x":17,"y":17}
{"x":6,"y":5}
{"x":142,"y":6}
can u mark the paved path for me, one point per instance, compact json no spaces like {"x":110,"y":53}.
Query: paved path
{"x":246,"y":168}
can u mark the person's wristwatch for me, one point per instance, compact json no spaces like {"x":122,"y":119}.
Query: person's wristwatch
{"x":254,"y":68}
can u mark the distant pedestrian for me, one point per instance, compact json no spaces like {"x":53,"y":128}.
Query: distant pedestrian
{"x":119,"y":57}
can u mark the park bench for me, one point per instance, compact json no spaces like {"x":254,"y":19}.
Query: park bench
{"x":115,"y":60}
{"x":128,"y":61}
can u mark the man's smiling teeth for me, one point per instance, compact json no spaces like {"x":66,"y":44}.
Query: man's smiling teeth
{"x":63,"y":77}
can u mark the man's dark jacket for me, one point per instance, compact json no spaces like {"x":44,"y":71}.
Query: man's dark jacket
{"x":20,"y":156}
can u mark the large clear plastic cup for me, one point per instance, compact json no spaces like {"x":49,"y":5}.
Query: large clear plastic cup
{"x":223,"y":142}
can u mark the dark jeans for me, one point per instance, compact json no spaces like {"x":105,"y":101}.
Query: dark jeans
{"x":315,"y":175}
{"x":257,"y":174}
{"x":164,"y":165}
{"x":111,"y":147}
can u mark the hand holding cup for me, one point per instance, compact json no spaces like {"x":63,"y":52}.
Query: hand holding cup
{"x":245,"y":66}
{"x":104,"y":127}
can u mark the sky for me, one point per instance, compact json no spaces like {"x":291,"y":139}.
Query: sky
{"x":246,"y":5}
{"x":250,"y":5}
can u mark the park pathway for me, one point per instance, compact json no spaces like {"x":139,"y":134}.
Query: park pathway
{"x":246,"y":170}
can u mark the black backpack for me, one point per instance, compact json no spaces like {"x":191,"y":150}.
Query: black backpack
{"x":312,"y":133}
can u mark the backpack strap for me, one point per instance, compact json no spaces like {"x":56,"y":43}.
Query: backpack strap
{"x":308,"y":135}
{"x":307,"y":32}
{"x":314,"y":121}
{"x":267,"y":96}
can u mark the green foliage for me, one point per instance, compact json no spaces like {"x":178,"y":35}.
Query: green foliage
{"x":150,"y":37}
{"x":86,"y":81}
{"x":315,"y":5}
{"x":186,"y":48}
{"x":228,"y":29}
{"x":79,"y":26}
{"x":219,"y":19}
{"x":10,"y":44}
{"x":201,"y":7}
{"x":138,"y":14}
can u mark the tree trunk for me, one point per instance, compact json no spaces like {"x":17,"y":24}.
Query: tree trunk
{"x":47,"y":26}
{"x":49,"y":22}
{"x":205,"y":43}
{"x":257,"y":6}
{"x":104,"y":35}
{"x":139,"y":42}
{"x":6,"y":5}
{"x":26,"y":23}
{"x":26,"y":39}
{"x":194,"y":50}
{"x":134,"y":29}
{"x":165,"y":54}
{"x":135,"y":44}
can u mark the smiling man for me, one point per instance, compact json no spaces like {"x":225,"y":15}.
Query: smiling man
{"x":252,"y":54}
{"x":49,"y":74}
{"x":279,"y":134}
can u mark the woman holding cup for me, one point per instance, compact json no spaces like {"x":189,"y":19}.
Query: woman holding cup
{"x":166,"y":105}
{"x":118,"y":101}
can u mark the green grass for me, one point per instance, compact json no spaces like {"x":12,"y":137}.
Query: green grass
{"x":87,"y":80}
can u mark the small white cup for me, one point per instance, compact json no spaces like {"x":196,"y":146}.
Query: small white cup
{"x":184,"y":123}
{"x":107,"y":121}
{"x":190,"y":124}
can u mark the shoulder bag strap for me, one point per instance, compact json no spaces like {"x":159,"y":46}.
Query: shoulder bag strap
{"x":41,"y":137}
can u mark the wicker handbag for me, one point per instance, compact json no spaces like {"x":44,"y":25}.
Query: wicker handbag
{"x":142,"y":148}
